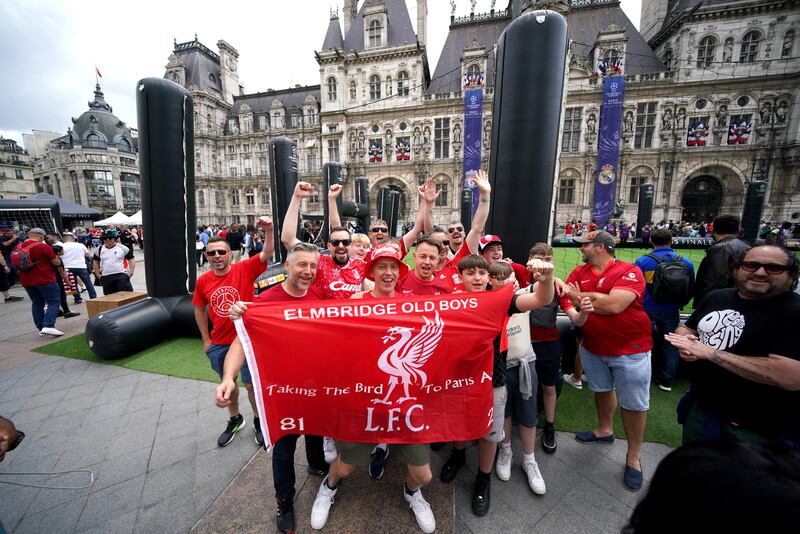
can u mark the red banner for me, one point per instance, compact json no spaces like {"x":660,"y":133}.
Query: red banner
{"x":410,"y":370}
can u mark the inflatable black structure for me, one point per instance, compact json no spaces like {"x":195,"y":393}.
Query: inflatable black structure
{"x":529,"y":90}
{"x":166,"y":171}
{"x":753,"y":206}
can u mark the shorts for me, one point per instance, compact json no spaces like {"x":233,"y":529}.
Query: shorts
{"x":114,"y":283}
{"x":548,"y":361}
{"x":216,"y":355}
{"x":499,"y":397}
{"x":628,"y":374}
{"x":416,"y":454}
{"x":524,"y":410}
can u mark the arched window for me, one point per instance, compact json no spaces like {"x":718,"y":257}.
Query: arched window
{"x":669,"y":60}
{"x":375,"y":30}
{"x":124,"y":145}
{"x":402,"y":83}
{"x":331,"y":89}
{"x":353,"y":94}
{"x":611,"y":56}
{"x":788,"y":44}
{"x":705,"y":52}
{"x":374,"y":87}
{"x":473,"y":70}
{"x":749,"y":50}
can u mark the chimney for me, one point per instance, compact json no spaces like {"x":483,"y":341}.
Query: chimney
{"x":349,"y":12}
{"x":422,"y":21}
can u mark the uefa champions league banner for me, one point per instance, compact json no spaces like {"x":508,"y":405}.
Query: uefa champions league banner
{"x":473,"y":131}
{"x":416,"y":370}
{"x":605,"y":188}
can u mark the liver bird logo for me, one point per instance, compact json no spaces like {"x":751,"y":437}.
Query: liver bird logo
{"x":404,"y":359}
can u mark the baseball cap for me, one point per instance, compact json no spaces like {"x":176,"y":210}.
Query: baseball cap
{"x":110,"y":234}
{"x":385,"y":251}
{"x":487,"y":240}
{"x":37,"y":231}
{"x":597,"y":236}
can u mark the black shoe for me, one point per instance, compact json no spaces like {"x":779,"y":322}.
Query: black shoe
{"x":318,"y":471}
{"x":234,"y":425}
{"x":60,"y":314}
{"x":549,"y":441}
{"x":12,"y":298}
{"x":285,"y":517}
{"x":378,"y":462}
{"x":481,"y":496}
{"x":259,"y":434}
{"x":71,"y":314}
{"x":452,"y":465}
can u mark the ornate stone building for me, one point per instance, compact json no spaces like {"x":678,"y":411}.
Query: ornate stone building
{"x":16,"y":171}
{"x":96,"y":164}
{"x":726,"y":72}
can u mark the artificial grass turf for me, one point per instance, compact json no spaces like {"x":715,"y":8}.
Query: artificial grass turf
{"x":184,"y":358}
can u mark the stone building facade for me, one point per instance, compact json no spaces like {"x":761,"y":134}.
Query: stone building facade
{"x":96,"y":164}
{"x":16,"y":171}
{"x":383,"y":112}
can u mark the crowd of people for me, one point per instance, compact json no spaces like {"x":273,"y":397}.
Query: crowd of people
{"x":741,"y":388}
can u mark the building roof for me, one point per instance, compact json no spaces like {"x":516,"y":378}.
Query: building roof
{"x":70,"y":210}
{"x":100,"y":120}
{"x":333,"y":37}
{"x":292,"y":98}
{"x":400,"y":30}
{"x":201,"y":66}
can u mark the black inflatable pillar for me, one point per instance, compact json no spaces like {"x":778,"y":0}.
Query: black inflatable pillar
{"x":753,"y":206}
{"x":331,"y":175}
{"x":129,"y":329}
{"x":528,"y":94}
{"x":394,"y":214}
{"x":166,"y":173}
{"x":466,"y":209}
{"x":645,"y":212}
{"x":283,"y":173}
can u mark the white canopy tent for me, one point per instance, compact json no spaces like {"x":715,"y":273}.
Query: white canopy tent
{"x":135,"y":219}
{"x":117,"y":218}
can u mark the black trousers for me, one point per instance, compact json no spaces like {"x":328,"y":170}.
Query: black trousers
{"x":283,"y":462}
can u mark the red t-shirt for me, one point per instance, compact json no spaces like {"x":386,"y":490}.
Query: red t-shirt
{"x":450,"y":269}
{"x":42,"y":272}
{"x":522,"y":273}
{"x":277,"y":294}
{"x":623,"y":333}
{"x":441,"y":284}
{"x":219,"y":292}
{"x":339,"y":282}
{"x":550,"y":334}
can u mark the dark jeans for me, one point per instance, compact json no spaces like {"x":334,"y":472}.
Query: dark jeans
{"x":83,"y":274}
{"x":665,"y":323}
{"x":40,"y":295}
{"x":283,"y":462}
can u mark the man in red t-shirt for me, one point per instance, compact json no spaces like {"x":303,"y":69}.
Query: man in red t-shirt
{"x":214,"y":293}
{"x":616,"y":345}
{"x":39,"y":281}
{"x":302,"y":262}
{"x":424,"y":280}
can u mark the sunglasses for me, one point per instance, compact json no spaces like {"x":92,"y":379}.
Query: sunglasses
{"x":377,"y":229}
{"x":770,"y":268}
{"x":20,"y":437}
{"x":337,"y":242}
{"x":216,"y":252}
{"x":455,"y":229}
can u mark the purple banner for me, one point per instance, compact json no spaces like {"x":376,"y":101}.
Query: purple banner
{"x":473,"y":131}
{"x":605,"y":186}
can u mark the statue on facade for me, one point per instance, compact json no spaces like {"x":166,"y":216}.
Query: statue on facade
{"x":722,"y":116}
{"x":667,"y":121}
{"x":680,"y":118}
{"x":426,"y":136}
{"x":487,"y":134}
{"x":417,"y":139}
{"x":457,"y":133}
{"x":727,"y":51}
{"x":591,"y":124}
{"x":628,"y":127}
{"x":361,"y":140}
{"x":780,"y":112}
{"x":766,"y":113}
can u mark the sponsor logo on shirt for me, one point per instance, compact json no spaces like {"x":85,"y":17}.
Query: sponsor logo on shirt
{"x":721,"y":329}
{"x":222,"y":299}
{"x":341,"y":286}
{"x":631,"y":276}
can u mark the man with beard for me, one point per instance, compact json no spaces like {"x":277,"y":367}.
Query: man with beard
{"x":744,"y":355}
{"x":385,"y":267}
{"x":214,"y":293}
{"x":301,"y":269}
{"x":616,"y":345}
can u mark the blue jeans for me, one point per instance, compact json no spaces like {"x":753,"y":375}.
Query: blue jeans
{"x":48,"y":294}
{"x":665,"y":323}
{"x":83,"y":274}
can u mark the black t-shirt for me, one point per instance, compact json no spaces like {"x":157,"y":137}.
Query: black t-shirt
{"x":234,"y":240}
{"x":757,"y":328}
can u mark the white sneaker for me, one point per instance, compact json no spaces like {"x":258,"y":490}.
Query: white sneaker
{"x":503,"y":467}
{"x":577,"y":384}
{"x":535,"y":480}
{"x":329,"y":446}
{"x":422,"y":511}
{"x":50,"y":331}
{"x":322,"y":505}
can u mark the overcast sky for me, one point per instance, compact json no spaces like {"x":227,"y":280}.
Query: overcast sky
{"x":50,"y":48}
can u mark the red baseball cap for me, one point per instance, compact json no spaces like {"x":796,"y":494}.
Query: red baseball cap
{"x":489,"y":239}
{"x":385,"y":251}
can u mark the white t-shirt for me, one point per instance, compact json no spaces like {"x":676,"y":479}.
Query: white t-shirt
{"x":74,"y":255}
{"x":518,"y":331}
{"x":113,"y":260}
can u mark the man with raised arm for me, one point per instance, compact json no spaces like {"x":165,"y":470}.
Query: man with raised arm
{"x":214,"y":293}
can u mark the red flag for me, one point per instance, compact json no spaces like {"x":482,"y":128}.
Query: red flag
{"x":416,"y":370}
{"x":97,"y":71}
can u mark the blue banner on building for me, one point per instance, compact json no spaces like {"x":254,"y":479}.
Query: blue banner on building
{"x":473,"y":130}
{"x":605,"y":187}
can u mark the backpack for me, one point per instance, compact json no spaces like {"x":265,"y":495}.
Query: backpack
{"x":672,"y":281}
{"x":21,"y":257}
